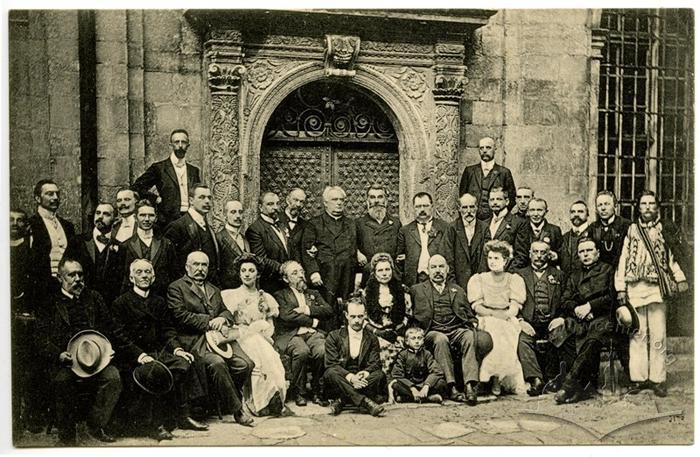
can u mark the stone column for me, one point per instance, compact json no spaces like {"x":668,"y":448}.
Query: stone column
{"x":598,"y":39}
{"x":447,"y":92}
{"x":224,"y":51}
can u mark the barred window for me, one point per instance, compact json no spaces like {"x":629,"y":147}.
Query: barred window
{"x":645,"y":129}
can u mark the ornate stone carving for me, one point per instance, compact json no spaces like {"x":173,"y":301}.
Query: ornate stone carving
{"x":261,"y":73}
{"x":449,"y":48}
{"x":444,"y":173}
{"x":290,"y":41}
{"x":225,"y":77}
{"x":224,"y":160}
{"x":340,"y":55}
{"x":234,"y":36}
{"x":449,"y":86}
{"x":397,"y":48}
{"x":412,"y":82}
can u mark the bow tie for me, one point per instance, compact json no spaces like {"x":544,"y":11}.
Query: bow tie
{"x":104,"y":239}
{"x":541,"y":270}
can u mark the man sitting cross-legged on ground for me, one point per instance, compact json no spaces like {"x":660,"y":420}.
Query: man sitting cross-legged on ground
{"x":297,"y":334}
{"x":353,"y":367}
{"x":416,"y":376}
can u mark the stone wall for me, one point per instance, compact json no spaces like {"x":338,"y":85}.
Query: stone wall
{"x":44,"y":106}
{"x":529,"y":88}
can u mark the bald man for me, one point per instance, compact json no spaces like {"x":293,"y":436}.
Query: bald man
{"x":480,"y":178}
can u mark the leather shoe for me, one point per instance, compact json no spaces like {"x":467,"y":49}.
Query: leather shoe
{"x":320,"y":401}
{"x":336,"y":407}
{"x":635,"y":387}
{"x":567,"y":397}
{"x":470,"y":393}
{"x":536,"y":386}
{"x":660,"y":389}
{"x":100,"y":435}
{"x":456,"y":395}
{"x":161,"y":434}
{"x":187,"y":423}
{"x":244,"y":419}
{"x":495,"y":386}
{"x":371,"y":407}
{"x":434,"y":398}
{"x":300,"y":400}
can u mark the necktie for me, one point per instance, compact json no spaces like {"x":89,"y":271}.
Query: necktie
{"x":422,"y":226}
{"x":104,"y":239}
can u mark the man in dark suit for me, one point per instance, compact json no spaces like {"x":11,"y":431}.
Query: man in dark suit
{"x":297,"y":332}
{"x":269,"y":239}
{"x":124,"y":226}
{"x":505,"y":227}
{"x":75,"y":308}
{"x":538,"y":228}
{"x":589,"y":297}
{"x":173,"y":179}
{"x":424,"y":237}
{"x":231,"y":245}
{"x":481,"y":178}
{"x":544,"y":284}
{"x":148,"y":324}
{"x":608,"y":230}
{"x":578,"y":215}
{"x":353,"y":367}
{"x":291,"y":219}
{"x":101,"y":256}
{"x":377,"y":231}
{"x":197,"y":307}
{"x":52,"y":237}
{"x":329,"y":250}
{"x":192,"y":232}
{"x":146,"y":244}
{"x":523,"y":195}
{"x":442,"y":310}
{"x":469,"y":240}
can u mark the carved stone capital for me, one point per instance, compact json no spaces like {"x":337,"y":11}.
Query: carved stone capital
{"x":340,"y":55}
{"x":598,"y":39}
{"x":225,"y":77}
{"x":449,"y":83}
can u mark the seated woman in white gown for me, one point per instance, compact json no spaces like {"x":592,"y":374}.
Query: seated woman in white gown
{"x":253,"y":312}
{"x":496,"y":297}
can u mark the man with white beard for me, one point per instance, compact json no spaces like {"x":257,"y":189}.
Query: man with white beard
{"x":376,"y":230}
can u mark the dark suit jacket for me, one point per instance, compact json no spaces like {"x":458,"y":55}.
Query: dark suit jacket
{"x":468,"y":256}
{"x":229,"y":251}
{"x":295,"y":235}
{"x":162,"y":256}
{"x":338,"y":351}
{"x":374,"y":237}
{"x":289,"y":320}
{"x":568,"y":254}
{"x":162,"y":175}
{"x":147,"y":322}
{"x":592,"y":285}
{"x":472,"y":183}
{"x":556,"y":285}
{"x":107,"y":279}
{"x":550,"y":233}
{"x":41,"y":283}
{"x":422,"y":299}
{"x":117,"y":224}
{"x":61,"y":320}
{"x":192,"y":311}
{"x":418,"y":368}
{"x":441,"y":240}
{"x":610,"y":242}
{"x":513,"y":231}
{"x":186,"y":236}
{"x":337,"y":252}
{"x":265,"y":243}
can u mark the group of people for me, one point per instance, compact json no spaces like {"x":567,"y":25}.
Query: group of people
{"x":153,"y":320}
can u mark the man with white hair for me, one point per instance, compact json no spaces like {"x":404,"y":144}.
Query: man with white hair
{"x":329,"y":249}
{"x":480,"y":178}
{"x":293,"y":221}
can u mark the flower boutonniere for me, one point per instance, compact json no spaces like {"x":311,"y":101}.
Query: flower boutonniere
{"x":453,"y":290}
{"x":552,"y":279}
{"x":311,"y":297}
{"x":114,"y":247}
{"x":508,"y":227}
{"x":432,"y":233}
{"x":547,"y":240}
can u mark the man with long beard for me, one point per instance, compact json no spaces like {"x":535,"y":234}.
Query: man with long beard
{"x":578,"y":215}
{"x":376,"y":230}
{"x":293,"y":221}
{"x":646,"y":275}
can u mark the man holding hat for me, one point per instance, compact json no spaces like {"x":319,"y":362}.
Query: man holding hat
{"x":164,"y":376}
{"x":76,"y":336}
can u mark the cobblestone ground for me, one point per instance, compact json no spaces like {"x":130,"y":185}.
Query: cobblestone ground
{"x":510,"y":420}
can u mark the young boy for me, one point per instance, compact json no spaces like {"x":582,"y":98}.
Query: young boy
{"x":416,"y":376}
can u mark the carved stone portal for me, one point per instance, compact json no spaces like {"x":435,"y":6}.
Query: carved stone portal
{"x":340,"y":55}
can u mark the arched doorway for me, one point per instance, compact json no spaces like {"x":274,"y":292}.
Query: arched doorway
{"x":329,"y":133}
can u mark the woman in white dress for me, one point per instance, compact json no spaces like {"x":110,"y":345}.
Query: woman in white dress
{"x":496,"y":297}
{"x":253,"y":312}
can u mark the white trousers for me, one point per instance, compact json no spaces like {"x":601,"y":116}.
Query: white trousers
{"x":648,"y":346}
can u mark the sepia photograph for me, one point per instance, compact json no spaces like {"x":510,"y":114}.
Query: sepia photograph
{"x":349,"y":227}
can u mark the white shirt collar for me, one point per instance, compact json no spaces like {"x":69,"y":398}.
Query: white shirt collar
{"x":141,"y":293}
{"x":488,"y":166}
{"x":233,"y":229}
{"x":177,"y":162}
{"x":267,"y":219}
{"x":63,"y":291}
{"x":439,"y":287}
{"x":537,"y":227}
{"x":610,"y":221}
{"x":337,"y":218}
{"x":96,"y":233}
{"x":289,"y":216}
{"x":353,"y":334}
{"x":580,"y":229}
{"x":144,"y":235}
{"x":469,"y":224}
{"x":128,"y":220}
{"x":45,"y":213}
{"x":501,"y":214}
{"x":198,"y":218}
